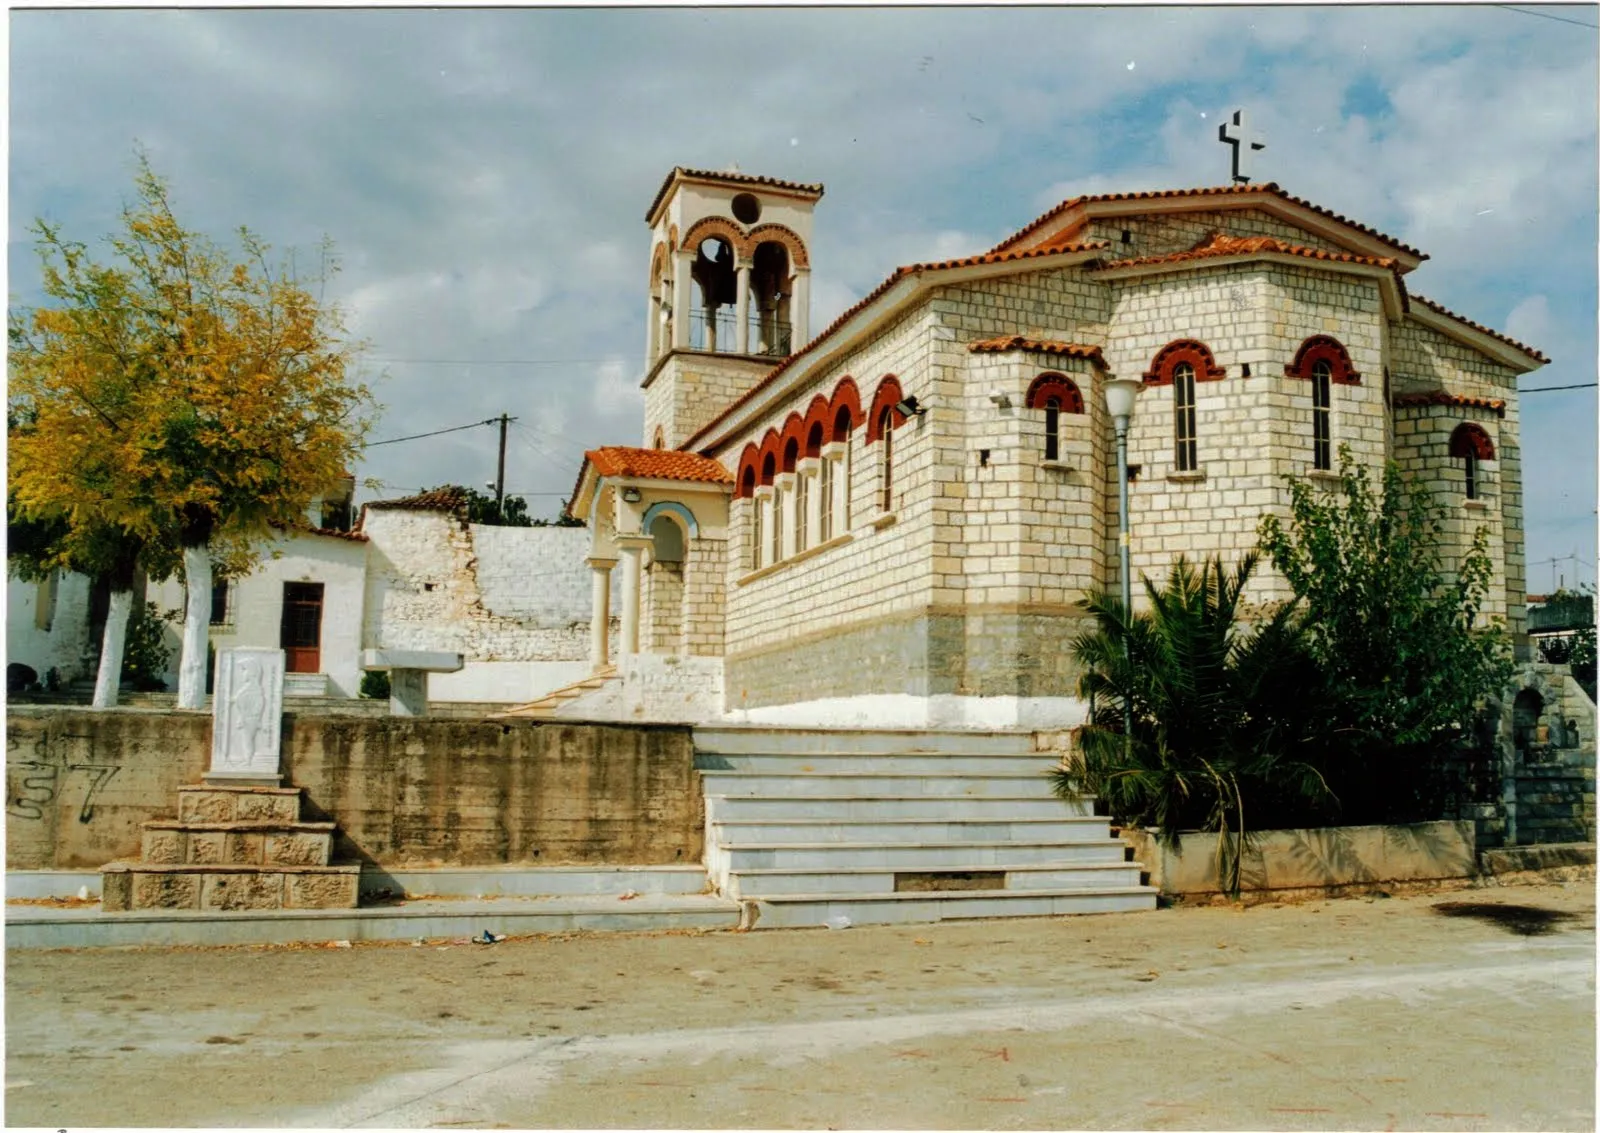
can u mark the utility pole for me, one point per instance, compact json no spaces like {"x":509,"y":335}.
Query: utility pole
{"x":500,"y":472}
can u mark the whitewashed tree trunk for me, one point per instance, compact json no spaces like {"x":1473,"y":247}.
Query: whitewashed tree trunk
{"x":116,"y":636}
{"x":196,"y":627}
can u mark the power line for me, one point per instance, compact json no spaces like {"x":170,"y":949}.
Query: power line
{"x":1546,"y":16}
{"x":437,"y":432}
{"x":490,"y":361}
{"x":1547,"y":389}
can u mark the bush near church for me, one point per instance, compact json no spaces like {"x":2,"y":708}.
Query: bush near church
{"x":1355,"y":703}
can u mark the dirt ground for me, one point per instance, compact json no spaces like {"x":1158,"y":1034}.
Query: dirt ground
{"x":1468,"y":1009}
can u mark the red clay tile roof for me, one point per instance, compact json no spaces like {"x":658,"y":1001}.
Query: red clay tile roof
{"x":355,"y":536}
{"x":867,"y":300}
{"x":1037,"y":345}
{"x":742,"y":178}
{"x":1432,"y":306}
{"x":1219,"y":244}
{"x":1440,"y":397}
{"x":657,"y":464}
{"x":1054,"y":248}
{"x":1270,"y":188}
{"x":450,"y":498}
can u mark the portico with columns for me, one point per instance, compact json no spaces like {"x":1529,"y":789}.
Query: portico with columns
{"x":663,"y":516}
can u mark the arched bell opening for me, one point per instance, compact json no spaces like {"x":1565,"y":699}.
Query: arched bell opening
{"x":716,"y":277}
{"x":771,"y":300}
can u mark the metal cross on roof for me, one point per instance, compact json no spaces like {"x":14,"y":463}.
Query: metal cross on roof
{"x":1243,"y":139}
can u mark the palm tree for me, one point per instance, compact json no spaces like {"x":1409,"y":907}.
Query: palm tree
{"x":1217,"y":711}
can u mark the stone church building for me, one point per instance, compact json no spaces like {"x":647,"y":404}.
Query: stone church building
{"x":891,"y":519}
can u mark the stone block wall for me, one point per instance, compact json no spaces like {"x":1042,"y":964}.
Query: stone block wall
{"x":404,"y":792}
{"x":690,"y":387}
{"x":1251,"y":432}
{"x":1422,"y":450}
{"x":1423,"y":361}
{"x":882,"y":564}
{"x":490,"y":593}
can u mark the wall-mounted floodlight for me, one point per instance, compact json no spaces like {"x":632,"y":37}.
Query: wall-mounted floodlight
{"x":631,"y":495}
{"x":1001,"y":398}
{"x":908,"y":407}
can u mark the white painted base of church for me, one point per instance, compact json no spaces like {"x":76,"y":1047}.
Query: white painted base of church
{"x":1035,"y":713}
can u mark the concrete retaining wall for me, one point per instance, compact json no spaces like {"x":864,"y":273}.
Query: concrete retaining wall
{"x":1313,"y":859}
{"x":404,"y":792}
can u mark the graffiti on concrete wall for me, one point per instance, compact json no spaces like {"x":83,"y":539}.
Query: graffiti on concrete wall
{"x":39,"y":773}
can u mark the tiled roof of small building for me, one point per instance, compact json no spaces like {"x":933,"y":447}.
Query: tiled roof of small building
{"x":1220,"y":244}
{"x":657,"y":464}
{"x":1440,"y":397}
{"x":899,"y":273}
{"x":354,"y":536}
{"x":450,"y":498}
{"x":1036,"y":345}
{"x":1270,"y":188}
{"x":742,"y":178}
{"x":1432,"y":306}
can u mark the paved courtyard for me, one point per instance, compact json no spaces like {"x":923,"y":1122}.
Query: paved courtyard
{"x":1463,"y":1009}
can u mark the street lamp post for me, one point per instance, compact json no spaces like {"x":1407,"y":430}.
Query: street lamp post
{"x":1120,"y":394}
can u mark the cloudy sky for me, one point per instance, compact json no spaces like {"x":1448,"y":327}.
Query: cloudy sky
{"x":484,"y":173}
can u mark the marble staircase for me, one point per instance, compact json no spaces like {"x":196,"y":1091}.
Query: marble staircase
{"x":811,"y":827}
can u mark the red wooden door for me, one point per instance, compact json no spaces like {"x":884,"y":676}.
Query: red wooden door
{"x":301,"y":636}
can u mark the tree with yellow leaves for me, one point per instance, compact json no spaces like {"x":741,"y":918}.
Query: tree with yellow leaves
{"x":179,"y":401}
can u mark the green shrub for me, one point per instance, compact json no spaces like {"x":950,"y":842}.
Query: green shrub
{"x":375,"y":684}
{"x":146,"y":655}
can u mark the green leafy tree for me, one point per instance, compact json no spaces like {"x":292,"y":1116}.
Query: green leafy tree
{"x":207,"y":395}
{"x":1221,"y":715}
{"x":1405,"y":661}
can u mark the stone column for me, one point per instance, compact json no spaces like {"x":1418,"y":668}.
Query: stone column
{"x":741,"y":317}
{"x":785,"y":482}
{"x":682,"y":289}
{"x":408,"y":692}
{"x":600,"y":613}
{"x":810,"y":469}
{"x":632,"y":548}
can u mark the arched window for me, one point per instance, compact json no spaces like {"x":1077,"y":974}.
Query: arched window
{"x":802,"y":502}
{"x":1185,"y":454}
{"x":1181,"y":364}
{"x":824,"y":484}
{"x":886,"y":424}
{"x":747,"y":491}
{"x":1322,"y":414}
{"x":1470,"y":444}
{"x":1055,"y":394}
{"x":660,"y":438}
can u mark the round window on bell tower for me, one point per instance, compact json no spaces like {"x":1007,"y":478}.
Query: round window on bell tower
{"x":746,"y":209}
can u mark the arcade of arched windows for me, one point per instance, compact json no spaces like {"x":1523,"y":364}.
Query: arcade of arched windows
{"x":798,"y":478}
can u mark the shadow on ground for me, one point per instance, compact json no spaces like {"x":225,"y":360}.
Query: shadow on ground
{"x":1523,"y":920}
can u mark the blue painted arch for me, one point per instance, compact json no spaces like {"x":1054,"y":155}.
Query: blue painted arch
{"x":683,"y":514}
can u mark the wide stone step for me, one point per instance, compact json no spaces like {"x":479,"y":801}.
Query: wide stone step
{"x":887,"y":763}
{"x":238,"y":804}
{"x":754,"y":739}
{"x":853,"y":808}
{"x":802,"y":910}
{"x":871,"y":785}
{"x":1062,"y":828}
{"x":128,"y":886}
{"x":908,"y":856}
{"x":759,"y":883}
{"x":168,"y":842}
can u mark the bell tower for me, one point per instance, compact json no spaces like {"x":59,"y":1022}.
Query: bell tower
{"x":730,"y":289}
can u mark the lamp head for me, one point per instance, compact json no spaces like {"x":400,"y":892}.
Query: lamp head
{"x":1120,"y":395}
